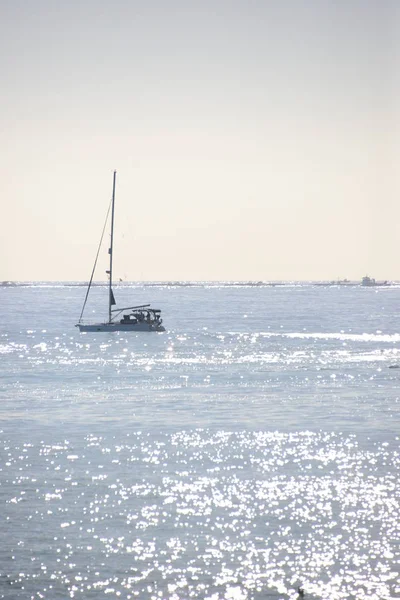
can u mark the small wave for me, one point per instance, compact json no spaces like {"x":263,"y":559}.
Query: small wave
{"x":345,"y":337}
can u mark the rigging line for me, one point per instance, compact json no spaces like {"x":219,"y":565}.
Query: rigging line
{"x":95,"y":262}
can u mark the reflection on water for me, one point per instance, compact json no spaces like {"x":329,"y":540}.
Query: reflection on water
{"x":200,"y":514}
{"x":252,"y":449}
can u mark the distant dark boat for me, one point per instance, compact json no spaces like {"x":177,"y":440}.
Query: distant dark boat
{"x":371,"y":282}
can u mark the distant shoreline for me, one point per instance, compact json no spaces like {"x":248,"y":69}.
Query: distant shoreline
{"x":194,"y":283}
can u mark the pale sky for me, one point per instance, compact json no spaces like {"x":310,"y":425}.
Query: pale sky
{"x":253,"y":140}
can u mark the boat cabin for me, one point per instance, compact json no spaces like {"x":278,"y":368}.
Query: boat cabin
{"x":151,"y":316}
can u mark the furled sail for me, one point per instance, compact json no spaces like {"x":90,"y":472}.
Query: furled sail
{"x":112,"y":299}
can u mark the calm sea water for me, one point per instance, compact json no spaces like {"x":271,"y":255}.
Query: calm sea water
{"x":251,"y":449}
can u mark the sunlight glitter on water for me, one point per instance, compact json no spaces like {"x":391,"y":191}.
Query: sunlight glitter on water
{"x":251,"y":449}
{"x":213,"y":351}
{"x":202,"y":514}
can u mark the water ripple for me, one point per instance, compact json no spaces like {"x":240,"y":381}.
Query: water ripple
{"x":201,"y":514}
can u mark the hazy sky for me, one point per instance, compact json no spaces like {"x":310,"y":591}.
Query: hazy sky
{"x":253,"y":139}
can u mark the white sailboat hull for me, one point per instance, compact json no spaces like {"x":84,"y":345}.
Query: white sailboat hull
{"x":111,"y":327}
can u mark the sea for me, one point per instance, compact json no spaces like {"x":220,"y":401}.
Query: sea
{"x":249,"y":452}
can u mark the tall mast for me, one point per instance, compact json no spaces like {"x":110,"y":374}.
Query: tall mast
{"x":111,"y":300}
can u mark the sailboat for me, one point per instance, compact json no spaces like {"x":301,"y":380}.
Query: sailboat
{"x":131,"y":318}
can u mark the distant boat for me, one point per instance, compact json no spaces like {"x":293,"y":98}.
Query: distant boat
{"x":132,"y":318}
{"x":335,"y":282}
{"x":341,"y":282}
{"x":371,"y":282}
